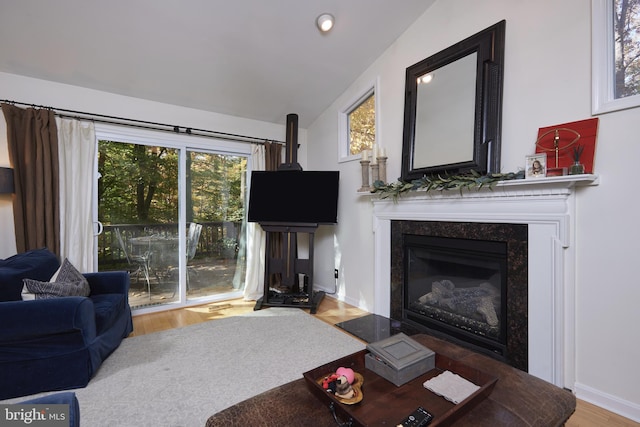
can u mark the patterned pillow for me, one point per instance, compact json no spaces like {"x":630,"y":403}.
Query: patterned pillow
{"x":68,"y":273}
{"x":67,"y":281}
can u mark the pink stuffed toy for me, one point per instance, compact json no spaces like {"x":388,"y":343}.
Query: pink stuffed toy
{"x":348,"y":373}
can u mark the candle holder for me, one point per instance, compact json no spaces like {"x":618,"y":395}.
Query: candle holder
{"x":382,"y":166}
{"x":365,"y":175}
{"x":375,"y":172}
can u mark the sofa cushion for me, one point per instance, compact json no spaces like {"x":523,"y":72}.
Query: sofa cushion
{"x":66,"y":282}
{"x":37,"y":264}
{"x":108,"y":307}
{"x":46,"y":290}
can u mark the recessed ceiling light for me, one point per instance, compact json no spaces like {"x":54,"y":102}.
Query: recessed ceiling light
{"x":325,"y":22}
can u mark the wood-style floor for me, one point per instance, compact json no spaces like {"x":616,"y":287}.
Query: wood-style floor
{"x":332,"y":311}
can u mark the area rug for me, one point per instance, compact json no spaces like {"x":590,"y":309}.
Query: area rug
{"x":181,"y":376}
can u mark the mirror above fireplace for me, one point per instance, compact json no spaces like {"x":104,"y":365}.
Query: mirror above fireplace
{"x":453,"y":108}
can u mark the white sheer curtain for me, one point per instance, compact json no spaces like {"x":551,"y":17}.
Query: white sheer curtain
{"x":254,"y":281}
{"x":76,"y":151}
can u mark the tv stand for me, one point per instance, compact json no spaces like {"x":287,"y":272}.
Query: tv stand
{"x":287,"y":264}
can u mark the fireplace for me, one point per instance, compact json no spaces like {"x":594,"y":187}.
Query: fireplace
{"x":466,"y":282}
{"x":547,"y":208}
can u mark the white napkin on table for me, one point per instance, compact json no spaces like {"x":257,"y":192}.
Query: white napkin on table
{"x":451,"y":386}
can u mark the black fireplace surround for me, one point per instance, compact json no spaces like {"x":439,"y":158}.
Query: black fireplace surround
{"x":463,"y":281}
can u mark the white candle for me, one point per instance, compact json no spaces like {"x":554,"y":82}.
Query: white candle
{"x":383,"y":152}
{"x":365,"y":155}
{"x":374,"y":151}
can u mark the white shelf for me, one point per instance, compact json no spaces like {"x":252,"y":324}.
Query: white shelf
{"x":565,"y":181}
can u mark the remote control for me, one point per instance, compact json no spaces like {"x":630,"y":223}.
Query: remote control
{"x":419,"y":418}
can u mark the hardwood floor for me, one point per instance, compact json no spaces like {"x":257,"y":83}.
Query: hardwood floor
{"x":331,"y":311}
{"x":588,"y":415}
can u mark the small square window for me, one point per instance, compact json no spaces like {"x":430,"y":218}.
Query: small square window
{"x":358,"y":126}
{"x":362,"y":126}
{"x":616,"y":55}
{"x":627,"y":48}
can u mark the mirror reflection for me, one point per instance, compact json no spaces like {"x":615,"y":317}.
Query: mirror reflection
{"x":444,"y":113}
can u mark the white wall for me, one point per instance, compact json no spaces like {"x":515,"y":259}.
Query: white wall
{"x":40,"y":92}
{"x":547,"y":82}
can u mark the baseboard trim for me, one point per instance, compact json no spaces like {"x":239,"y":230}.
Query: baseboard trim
{"x":343,"y":298}
{"x":609,"y":402}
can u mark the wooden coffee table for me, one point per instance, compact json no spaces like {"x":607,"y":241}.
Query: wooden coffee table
{"x":517,"y":399}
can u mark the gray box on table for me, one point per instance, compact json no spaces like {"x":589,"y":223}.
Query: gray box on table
{"x":399,"y":359}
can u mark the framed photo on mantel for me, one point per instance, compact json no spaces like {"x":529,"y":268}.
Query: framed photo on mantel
{"x":536,"y":166}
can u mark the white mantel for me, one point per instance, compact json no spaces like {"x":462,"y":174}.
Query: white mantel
{"x":547,"y":205}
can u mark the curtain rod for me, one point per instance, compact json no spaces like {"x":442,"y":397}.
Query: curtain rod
{"x":101,"y":118}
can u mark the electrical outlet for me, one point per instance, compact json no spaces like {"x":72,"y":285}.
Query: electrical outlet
{"x":335,"y":273}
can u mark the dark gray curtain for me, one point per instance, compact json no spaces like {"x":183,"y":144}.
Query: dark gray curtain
{"x":272,"y":155}
{"x":273,"y":159}
{"x":32,"y":137}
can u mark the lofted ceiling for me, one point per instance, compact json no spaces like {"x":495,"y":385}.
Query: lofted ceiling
{"x":256,"y":59}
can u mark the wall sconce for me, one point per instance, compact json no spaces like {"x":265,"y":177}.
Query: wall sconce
{"x":6,"y":181}
{"x":325,"y":22}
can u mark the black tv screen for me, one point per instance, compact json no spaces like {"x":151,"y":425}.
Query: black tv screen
{"x":294,"y":197}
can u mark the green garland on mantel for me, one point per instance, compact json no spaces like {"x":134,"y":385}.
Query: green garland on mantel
{"x":470,"y":181}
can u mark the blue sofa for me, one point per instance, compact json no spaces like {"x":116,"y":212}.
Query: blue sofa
{"x":58,"y":343}
{"x":66,"y":398}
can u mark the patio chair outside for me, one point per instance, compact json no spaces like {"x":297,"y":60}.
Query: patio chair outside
{"x":140,"y":262}
{"x":192,"y":244}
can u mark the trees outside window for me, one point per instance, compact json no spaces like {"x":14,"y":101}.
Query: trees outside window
{"x":615,"y":69}
{"x":358,"y":123}
{"x":362,"y":126}
{"x":138,"y":185}
{"x":627,"y":47}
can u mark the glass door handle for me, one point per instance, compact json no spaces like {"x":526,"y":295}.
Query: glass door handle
{"x":100,"y":228}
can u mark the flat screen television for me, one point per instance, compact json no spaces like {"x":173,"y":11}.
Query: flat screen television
{"x":308,"y":197}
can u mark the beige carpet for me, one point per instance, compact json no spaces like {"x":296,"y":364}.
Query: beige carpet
{"x":182,"y":376}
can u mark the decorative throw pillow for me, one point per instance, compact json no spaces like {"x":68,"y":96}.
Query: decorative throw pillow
{"x":46,"y":290}
{"x":67,"y":281}
{"x":68,"y":273}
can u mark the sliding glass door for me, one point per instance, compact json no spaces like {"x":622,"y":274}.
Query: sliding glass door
{"x":174,"y":218}
{"x":215,"y":212}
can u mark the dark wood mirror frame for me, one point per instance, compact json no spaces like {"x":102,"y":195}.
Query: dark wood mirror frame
{"x":487,"y":122}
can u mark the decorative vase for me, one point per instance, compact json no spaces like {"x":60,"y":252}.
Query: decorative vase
{"x":576,"y":169}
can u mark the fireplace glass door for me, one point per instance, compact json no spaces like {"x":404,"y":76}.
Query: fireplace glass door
{"x":457,"y":287}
